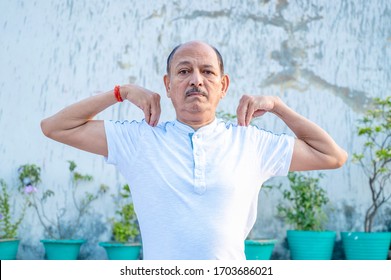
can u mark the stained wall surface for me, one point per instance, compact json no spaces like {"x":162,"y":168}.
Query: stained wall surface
{"x":325,"y":59}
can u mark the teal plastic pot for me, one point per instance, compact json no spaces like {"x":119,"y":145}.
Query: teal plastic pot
{"x":62,"y":249}
{"x":311,"y":245}
{"x":8,"y":249}
{"x":366,"y":245}
{"x":121,"y":251}
{"x":260,"y":249}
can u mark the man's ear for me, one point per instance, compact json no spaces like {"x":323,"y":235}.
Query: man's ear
{"x":224,"y":85}
{"x":166,"y":80}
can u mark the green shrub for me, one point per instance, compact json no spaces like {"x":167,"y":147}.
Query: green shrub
{"x":304,"y":203}
{"x":125,"y":225}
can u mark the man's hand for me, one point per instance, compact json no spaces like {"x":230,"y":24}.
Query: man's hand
{"x":145,"y":99}
{"x":251,"y":106}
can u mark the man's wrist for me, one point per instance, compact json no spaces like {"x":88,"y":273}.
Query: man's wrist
{"x":117,"y":93}
{"x":279,"y":106}
{"x":121,"y":92}
{"x":125,"y":90}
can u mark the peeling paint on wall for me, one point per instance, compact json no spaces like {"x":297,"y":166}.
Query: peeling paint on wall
{"x":326,"y":59}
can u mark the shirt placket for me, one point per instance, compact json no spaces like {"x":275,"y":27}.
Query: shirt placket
{"x":199,"y":164}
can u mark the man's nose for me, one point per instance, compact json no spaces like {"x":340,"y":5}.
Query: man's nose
{"x":196,"y":79}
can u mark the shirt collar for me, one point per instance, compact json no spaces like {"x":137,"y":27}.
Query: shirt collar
{"x":188,"y":129}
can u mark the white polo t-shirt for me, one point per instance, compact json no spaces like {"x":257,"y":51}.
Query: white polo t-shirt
{"x":196,"y":192}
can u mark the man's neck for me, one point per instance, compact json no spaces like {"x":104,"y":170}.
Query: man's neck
{"x":196,"y":124}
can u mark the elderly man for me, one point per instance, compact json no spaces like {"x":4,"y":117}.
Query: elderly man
{"x":195,"y":180}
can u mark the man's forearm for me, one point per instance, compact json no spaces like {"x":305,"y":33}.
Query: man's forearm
{"x":326,"y":153}
{"x":303,"y":128}
{"x":77,"y":114}
{"x":74,"y":125}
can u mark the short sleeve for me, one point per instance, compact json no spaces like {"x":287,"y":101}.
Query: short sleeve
{"x":123,"y":140}
{"x":275,"y":153}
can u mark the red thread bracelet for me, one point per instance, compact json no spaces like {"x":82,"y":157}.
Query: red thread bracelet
{"x":117,"y":94}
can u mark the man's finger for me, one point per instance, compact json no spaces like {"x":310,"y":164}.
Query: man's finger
{"x":242,"y":110}
{"x":240,"y":114}
{"x":155,"y":114}
{"x":249,"y":113}
{"x":147,"y":114}
{"x":155,"y":110}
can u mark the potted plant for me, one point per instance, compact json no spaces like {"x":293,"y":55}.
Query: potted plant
{"x":61,"y":230}
{"x":375,"y":161}
{"x":125,"y":243}
{"x":9,"y":242}
{"x":259,"y":248}
{"x":304,"y":210}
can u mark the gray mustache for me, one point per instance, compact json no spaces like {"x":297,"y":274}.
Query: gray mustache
{"x":196,"y":90}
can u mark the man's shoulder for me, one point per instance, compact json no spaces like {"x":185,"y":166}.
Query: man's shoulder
{"x":139,"y":123}
{"x":229,"y":125}
{"x":251,"y":131}
{"x":136,"y":127}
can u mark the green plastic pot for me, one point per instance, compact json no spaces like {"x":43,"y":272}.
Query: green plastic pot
{"x":8,"y":249}
{"x":62,"y":249}
{"x":311,"y":245}
{"x":121,"y":251}
{"x":261,"y":249}
{"x":366,"y":245}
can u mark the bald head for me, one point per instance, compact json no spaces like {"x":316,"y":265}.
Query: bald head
{"x":171,"y":56}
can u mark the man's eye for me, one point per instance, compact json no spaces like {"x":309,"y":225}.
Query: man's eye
{"x":208,"y":72}
{"x":183,"y":71}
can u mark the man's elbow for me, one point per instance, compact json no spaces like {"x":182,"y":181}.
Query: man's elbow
{"x":47,"y":128}
{"x":340,"y":159}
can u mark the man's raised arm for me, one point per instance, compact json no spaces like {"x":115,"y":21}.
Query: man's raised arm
{"x":314,"y":148}
{"x":74,"y":125}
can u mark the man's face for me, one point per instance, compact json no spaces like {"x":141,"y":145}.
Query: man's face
{"x":195,"y":83}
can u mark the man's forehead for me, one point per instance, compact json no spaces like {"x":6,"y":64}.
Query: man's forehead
{"x":195,"y":53}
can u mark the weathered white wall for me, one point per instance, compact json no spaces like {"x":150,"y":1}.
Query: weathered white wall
{"x":326,"y":59}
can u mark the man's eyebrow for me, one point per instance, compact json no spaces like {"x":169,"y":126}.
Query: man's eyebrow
{"x":182,"y":63}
